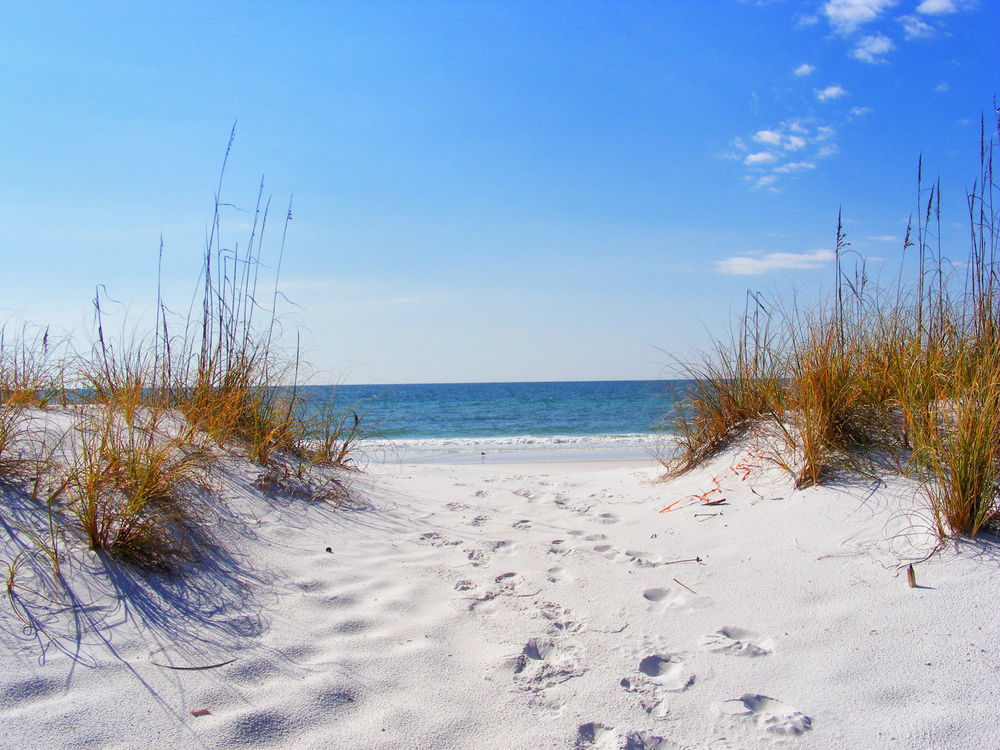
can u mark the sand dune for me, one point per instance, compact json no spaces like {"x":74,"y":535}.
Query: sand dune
{"x":526,"y":605}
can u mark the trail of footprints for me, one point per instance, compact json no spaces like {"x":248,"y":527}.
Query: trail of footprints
{"x":549,"y":660}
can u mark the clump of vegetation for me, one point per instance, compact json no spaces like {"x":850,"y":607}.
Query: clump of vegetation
{"x":912,"y":371}
{"x":140,"y":421}
{"x":132,"y":484}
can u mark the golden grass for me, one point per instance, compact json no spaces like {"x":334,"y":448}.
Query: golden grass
{"x":130,"y":486}
{"x":914,"y":370}
{"x":142,"y":407}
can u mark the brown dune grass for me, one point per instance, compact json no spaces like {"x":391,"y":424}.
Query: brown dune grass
{"x":913,"y":369}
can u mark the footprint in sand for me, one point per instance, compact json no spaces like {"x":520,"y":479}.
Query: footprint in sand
{"x":559,"y":618}
{"x":457,"y":507}
{"x":477,"y":557}
{"x":590,"y":734}
{"x":606,"y":518}
{"x":737,"y":642}
{"x":664,"y":597}
{"x":537,"y":648}
{"x":668,"y":671}
{"x":539,"y":666}
{"x":557,"y":575}
{"x":479,"y":520}
{"x":646,"y":741}
{"x":526,"y":494}
{"x":436,"y":540}
{"x":482,"y":553}
{"x":770,"y":715}
{"x":640,"y":558}
{"x":524,"y":523}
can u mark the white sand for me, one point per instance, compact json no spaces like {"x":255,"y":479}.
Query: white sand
{"x":531,"y":605}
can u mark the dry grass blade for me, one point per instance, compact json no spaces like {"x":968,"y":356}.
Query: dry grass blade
{"x":914,"y":373}
{"x":131,"y":488}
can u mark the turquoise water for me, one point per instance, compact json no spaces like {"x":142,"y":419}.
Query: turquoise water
{"x":555,"y":419}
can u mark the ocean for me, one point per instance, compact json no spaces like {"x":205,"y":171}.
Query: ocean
{"x":591,"y":420}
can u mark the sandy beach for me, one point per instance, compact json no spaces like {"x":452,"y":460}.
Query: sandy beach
{"x":385,"y":467}
{"x":526,"y":605}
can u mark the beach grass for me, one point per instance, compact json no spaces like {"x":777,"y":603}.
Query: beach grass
{"x":138,"y":422}
{"x":131,"y":484}
{"x":911,"y":370}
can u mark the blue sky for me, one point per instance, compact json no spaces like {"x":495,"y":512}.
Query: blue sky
{"x":482,"y":190}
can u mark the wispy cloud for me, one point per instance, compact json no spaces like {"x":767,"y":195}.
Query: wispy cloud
{"x":883,"y":237}
{"x":860,"y":111}
{"x":941,"y":88}
{"x":938,"y":7}
{"x":790,"y":147}
{"x":795,"y":166}
{"x":830,"y":92}
{"x":755,"y":265}
{"x":915,"y":28}
{"x":873,"y":49}
{"x":804,"y":69}
{"x":762,"y":157}
{"x":770,"y":137}
{"x":845,"y":16}
{"x":794,"y":143}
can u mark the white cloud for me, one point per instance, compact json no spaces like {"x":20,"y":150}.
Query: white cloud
{"x":750,"y":266}
{"x":941,"y":88}
{"x":770,"y":137}
{"x":795,"y":166}
{"x":860,"y":111}
{"x":795,"y":143}
{"x":824,"y":133}
{"x":937,"y":7}
{"x":760,"y":158}
{"x":804,"y":69}
{"x":765,"y":181}
{"x":830,"y":92}
{"x":845,"y":16}
{"x":883,"y":237}
{"x":914,"y":28}
{"x":872,"y":49}
{"x":827,"y":151}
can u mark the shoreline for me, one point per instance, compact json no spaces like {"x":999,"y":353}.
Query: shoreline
{"x":519,"y":448}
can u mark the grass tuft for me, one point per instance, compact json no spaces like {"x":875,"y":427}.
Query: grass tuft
{"x":914,"y":369}
{"x":131,"y":485}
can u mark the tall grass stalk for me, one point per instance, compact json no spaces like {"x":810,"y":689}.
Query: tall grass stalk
{"x":914,"y":369}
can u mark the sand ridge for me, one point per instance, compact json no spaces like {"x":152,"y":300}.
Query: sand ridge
{"x":531,"y":605}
